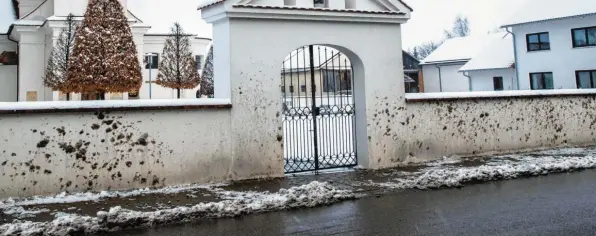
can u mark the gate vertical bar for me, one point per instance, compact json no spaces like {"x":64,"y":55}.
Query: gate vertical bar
{"x":315,"y":111}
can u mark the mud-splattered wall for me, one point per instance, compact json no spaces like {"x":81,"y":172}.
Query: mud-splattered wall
{"x":436,"y":127}
{"x":47,"y":153}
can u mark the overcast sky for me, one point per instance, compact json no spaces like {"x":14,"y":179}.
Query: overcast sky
{"x":429,"y":19}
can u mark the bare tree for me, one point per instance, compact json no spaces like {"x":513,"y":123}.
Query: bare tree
{"x":423,"y":50}
{"x":461,"y":28}
{"x":207,"y":76}
{"x":177,"y":68}
{"x":60,"y":57}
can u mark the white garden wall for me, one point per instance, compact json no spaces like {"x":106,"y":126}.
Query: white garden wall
{"x":474,"y":123}
{"x":50,"y":147}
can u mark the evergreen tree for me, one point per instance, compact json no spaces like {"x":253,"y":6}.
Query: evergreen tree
{"x":207,"y":76}
{"x":104,"y":57}
{"x":177,"y":68}
{"x":60,"y":57}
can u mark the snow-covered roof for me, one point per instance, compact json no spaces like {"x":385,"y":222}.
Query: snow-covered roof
{"x":207,"y":3}
{"x":543,"y":10}
{"x":6,"y":15}
{"x":459,"y":49}
{"x":498,"y":54}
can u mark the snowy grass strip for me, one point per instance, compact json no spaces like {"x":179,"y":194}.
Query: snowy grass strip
{"x":65,"y":197}
{"x":453,"y":176}
{"x":237,"y":203}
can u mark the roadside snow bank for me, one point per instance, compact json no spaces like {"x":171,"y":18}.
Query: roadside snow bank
{"x":237,"y":203}
{"x":437,"y":176}
{"x":65,"y":197}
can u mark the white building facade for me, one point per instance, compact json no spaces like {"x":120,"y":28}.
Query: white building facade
{"x":36,"y":30}
{"x":556,"y":53}
{"x":444,"y":70}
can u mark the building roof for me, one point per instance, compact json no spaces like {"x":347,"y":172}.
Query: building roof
{"x":460,"y":49}
{"x":542,"y":10}
{"x":207,"y":3}
{"x":498,"y":54}
{"x":7,"y":15}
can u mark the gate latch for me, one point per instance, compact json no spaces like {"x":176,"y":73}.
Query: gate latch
{"x":316,"y":111}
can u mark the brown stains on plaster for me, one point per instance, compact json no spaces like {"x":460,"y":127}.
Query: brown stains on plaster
{"x":498,"y":124}
{"x":88,"y":155}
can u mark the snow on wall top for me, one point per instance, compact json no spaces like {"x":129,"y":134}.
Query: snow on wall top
{"x":496,"y":94}
{"x":67,"y":105}
{"x":498,"y":54}
{"x":542,"y":10}
{"x":6,"y":16}
{"x":459,"y":49}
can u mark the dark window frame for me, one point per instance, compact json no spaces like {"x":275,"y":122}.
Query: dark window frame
{"x":154,"y":59}
{"x":500,"y":87}
{"x":199,"y":61}
{"x":585,"y":29}
{"x":543,"y":78}
{"x":539,"y":42}
{"x":592,"y":78}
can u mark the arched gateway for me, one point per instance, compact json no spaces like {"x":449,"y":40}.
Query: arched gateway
{"x":318,"y":110}
{"x":349,"y":77}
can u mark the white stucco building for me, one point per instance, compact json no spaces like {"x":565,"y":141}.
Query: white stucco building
{"x":441,"y":70}
{"x":555,"y":44}
{"x":493,"y":68}
{"x":28,"y":41}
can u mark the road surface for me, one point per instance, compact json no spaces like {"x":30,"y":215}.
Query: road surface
{"x":559,"y":204}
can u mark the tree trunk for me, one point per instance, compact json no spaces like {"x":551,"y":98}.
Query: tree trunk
{"x":67,"y":96}
{"x":178,"y":93}
{"x":101,"y":96}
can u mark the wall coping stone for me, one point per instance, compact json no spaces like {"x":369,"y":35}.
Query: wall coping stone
{"x":449,"y":96}
{"x":113,"y":105}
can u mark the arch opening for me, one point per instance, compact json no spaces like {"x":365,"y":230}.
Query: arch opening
{"x":318,"y":109}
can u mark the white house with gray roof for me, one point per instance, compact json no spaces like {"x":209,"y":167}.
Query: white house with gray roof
{"x":27,"y":39}
{"x":549,"y":44}
{"x":468,"y":64}
{"x":555,"y":44}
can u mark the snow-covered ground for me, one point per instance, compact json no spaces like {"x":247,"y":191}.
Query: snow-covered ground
{"x":235,"y":203}
{"x":449,"y":172}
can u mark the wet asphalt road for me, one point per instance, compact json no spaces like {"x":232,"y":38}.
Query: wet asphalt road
{"x":560,"y":204}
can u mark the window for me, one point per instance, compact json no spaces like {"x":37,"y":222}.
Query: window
{"x":199,"y":61}
{"x":585,"y":79}
{"x":584,"y":37}
{"x":538,"y":41}
{"x":543,"y":80}
{"x":498,"y":83}
{"x":291,"y":88}
{"x":152,"y":61}
{"x":303,"y":88}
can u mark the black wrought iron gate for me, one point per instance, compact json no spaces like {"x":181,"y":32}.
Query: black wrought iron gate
{"x":318,"y":110}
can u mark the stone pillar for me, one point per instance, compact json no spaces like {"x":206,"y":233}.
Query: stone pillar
{"x":32,"y":59}
{"x":138,"y":33}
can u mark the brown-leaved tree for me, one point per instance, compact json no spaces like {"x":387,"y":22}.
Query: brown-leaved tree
{"x":60,"y":57}
{"x":104,"y":57}
{"x":177,"y":69}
